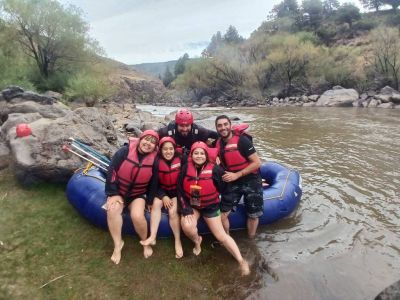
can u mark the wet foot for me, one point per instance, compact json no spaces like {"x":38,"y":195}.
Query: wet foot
{"x":178,"y":249}
{"x":197,"y":246}
{"x":147,"y":251}
{"x":149,"y":242}
{"x":244,"y":268}
{"x":116,"y":256}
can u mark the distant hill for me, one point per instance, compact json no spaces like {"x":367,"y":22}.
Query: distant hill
{"x":155,"y":69}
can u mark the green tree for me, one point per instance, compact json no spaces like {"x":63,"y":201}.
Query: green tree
{"x":215,"y":43}
{"x":348,"y":13}
{"x":329,"y":6}
{"x":393,"y":3}
{"x":386,"y":54}
{"x":180,"y":64}
{"x":314,"y":9}
{"x":371,"y":4}
{"x":232,"y":36}
{"x":51,"y":34}
{"x":168,"y":77}
{"x":289,"y":61}
{"x":287,"y":8}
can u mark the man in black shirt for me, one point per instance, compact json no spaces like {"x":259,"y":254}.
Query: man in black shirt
{"x":185,"y":132}
{"x":241,"y":162}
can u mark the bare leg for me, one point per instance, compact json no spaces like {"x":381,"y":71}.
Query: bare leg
{"x":139,"y":223}
{"x":114,"y":221}
{"x":252,"y":224}
{"x":215,"y":225}
{"x":225,"y":221}
{"x":154,"y":222}
{"x":191,"y":232}
{"x":176,"y":228}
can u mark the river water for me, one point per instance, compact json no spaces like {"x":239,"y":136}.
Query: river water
{"x":343,"y":241}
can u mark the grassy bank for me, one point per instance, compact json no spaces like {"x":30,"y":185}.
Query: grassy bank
{"x":43,"y":237}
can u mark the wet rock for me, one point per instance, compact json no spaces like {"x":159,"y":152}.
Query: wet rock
{"x":386,"y":105}
{"x":374,"y":103}
{"x":338,"y":97}
{"x":12,"y":92}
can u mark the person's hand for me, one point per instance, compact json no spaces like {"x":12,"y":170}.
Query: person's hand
{"x":112,"y":201}
{"x":189,"y":219}
{"x":230,"y":176}
{"x":168,"y":203}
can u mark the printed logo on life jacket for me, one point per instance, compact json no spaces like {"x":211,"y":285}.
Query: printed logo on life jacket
{"x":175,"y":166}
{"x":231,"y":146}
{"x":206,"y":172}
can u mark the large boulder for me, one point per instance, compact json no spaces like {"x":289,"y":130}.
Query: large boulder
{"x":46,"y":111}
{"x":39,"y":157}
{"x":4,"y":154}
{"x":338,"y":97}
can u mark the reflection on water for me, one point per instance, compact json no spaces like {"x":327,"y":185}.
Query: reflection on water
{"x":343,"y":241}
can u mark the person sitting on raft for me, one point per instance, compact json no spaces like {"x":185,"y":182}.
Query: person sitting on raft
{"x":129,"y":174}
{"x":199,"y":185}
{"x":168,"y":167}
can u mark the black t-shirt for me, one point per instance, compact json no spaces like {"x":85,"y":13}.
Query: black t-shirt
{"x":197,"y":134}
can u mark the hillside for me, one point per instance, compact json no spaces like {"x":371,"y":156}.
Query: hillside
{"x":154,"y":69}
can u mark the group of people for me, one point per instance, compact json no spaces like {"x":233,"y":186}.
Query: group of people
{"x":192,"y":172}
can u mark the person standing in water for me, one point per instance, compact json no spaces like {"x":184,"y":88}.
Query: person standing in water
{"x":241,"y":162}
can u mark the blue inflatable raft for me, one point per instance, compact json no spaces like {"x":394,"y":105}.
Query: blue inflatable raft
{"x":86,"y":193}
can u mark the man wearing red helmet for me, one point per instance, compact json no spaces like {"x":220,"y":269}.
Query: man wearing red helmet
{"x":129,"y":175}
{"x":185,"y":132}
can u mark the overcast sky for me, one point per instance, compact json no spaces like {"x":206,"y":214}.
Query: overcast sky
{"x":142,"y":31}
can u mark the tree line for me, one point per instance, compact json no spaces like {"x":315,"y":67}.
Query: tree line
{"x":300,"y":49}
{"x":45,"y":45}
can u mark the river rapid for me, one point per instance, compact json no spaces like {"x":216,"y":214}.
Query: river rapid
{"x":343,"y":240}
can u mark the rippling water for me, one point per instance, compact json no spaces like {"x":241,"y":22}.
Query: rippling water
{"x":343,"y":241}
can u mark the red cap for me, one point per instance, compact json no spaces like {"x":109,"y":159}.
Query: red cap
{"x":150,"y":132}
{"x":201,"y":145}
{"x":167,"y":139}
{"x":183,"y":117}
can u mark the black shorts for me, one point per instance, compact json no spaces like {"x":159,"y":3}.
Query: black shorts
{"x":210,"y":211}
{"x":128,"y":201}
{"x":252,"y":193}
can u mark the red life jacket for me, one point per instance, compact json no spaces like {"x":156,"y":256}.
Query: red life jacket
{"x":230,"y":155}
{"x":209,"y":193}
{"x":133,"y":176}
{"x":168,"y":174}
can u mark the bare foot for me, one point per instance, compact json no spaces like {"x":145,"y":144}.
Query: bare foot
{"x":197,"y":246}
{"x":149,"y":242}
{"x":244,"y":268}
{"x":116,"y":256}
{"x":147,"y":251}
{"x":178,"y":249}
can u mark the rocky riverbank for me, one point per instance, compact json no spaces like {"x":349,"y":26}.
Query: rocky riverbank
{"x":336,"y":97}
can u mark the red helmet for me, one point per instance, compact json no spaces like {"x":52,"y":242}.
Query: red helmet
{"x":151,"y":133}
{"x":201,"y":145}
{"x":183,"y":117}
{"x":167,"y":139}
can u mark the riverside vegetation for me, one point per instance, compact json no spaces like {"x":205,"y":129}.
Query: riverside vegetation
{"x":300,"y":49}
